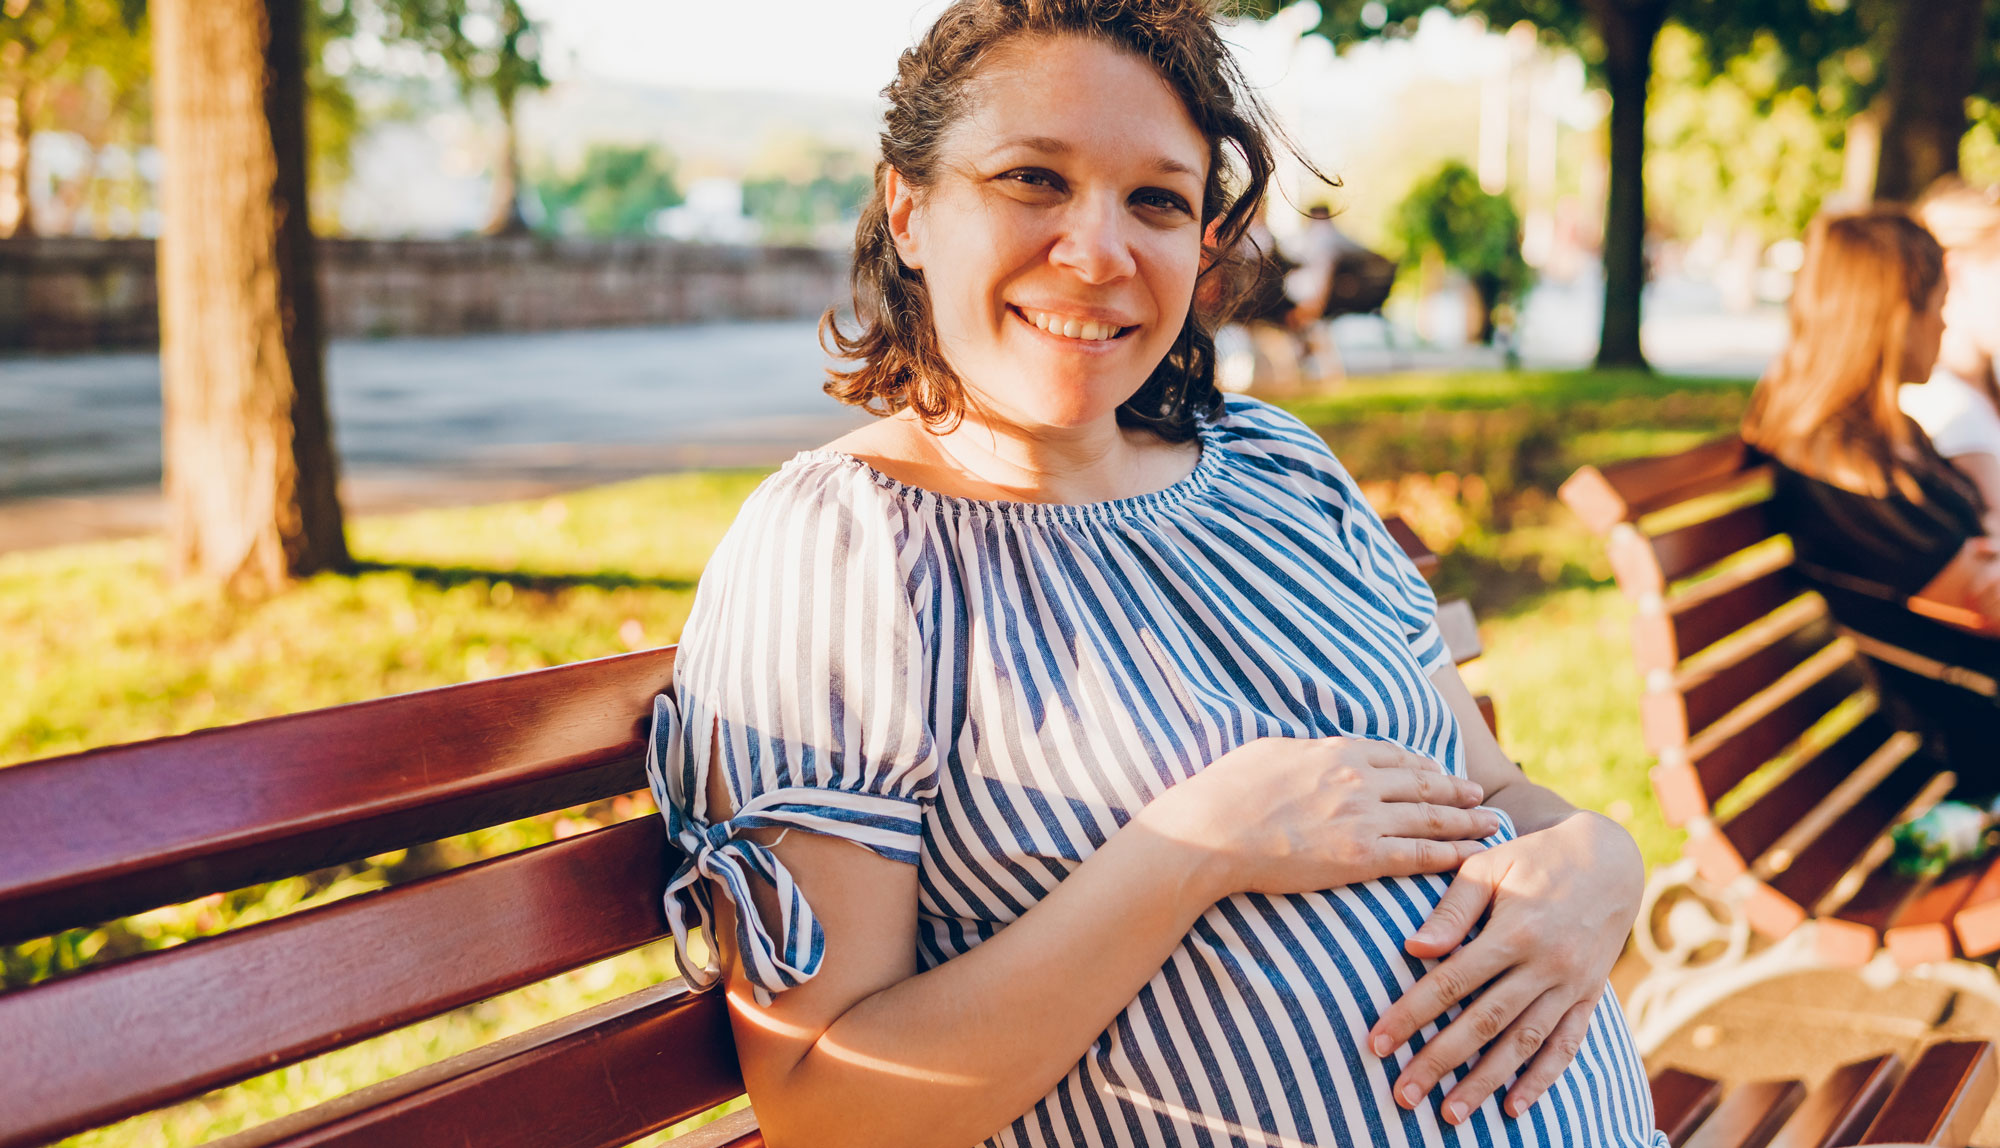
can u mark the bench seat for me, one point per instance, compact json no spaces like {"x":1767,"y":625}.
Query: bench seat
{"x":1940,"y":1100}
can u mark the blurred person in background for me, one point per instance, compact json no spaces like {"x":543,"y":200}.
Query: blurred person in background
{"x":1892,"y":534}
{"x":1959,"y":405}
{"x":1870,"y":503}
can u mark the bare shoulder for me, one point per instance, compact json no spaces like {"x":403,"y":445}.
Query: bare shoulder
{"x":883,"y":439}
{"x":900,"y":447}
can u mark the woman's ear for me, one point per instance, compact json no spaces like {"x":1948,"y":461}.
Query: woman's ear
{"x":905,"y":220}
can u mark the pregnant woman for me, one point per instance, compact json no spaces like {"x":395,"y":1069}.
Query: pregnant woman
{"x":1070,"y":757}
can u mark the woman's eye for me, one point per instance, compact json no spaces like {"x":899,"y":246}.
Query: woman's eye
{"x":1164,"y":201}
{"x":1032,"y":177}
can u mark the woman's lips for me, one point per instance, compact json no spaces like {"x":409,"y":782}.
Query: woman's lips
{"x":1072,"y":328}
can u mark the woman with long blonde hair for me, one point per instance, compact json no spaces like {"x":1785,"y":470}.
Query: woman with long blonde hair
{"x":1869,"y":502}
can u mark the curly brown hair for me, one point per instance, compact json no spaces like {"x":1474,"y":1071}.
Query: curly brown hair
{"x":896,"y":345}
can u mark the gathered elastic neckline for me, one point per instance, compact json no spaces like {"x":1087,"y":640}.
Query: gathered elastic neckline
{"x":1195,"y":482}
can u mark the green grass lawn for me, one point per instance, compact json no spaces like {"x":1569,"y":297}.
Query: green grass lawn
{"x":98,"y":647}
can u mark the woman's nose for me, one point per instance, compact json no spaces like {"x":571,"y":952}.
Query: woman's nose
{"x":1093,"y":245}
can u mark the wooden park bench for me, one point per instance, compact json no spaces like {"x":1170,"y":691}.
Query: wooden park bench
{"x":1775,"y":751}
{"x":1938,"y":1101}
{"x":113,"y":832}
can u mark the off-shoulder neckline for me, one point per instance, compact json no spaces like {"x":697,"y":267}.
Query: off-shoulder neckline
{"x":1194,"y":483}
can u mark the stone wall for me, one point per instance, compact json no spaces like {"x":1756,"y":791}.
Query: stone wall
{"x":74,"y":294}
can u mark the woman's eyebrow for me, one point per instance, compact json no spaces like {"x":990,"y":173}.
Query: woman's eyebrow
{"x":1049,"y":145}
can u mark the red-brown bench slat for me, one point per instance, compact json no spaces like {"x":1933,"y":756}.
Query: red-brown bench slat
{"x":1849,"y":936}
{"x":1977,"y":922}
{"x":736,"y":1130}
{"x":1736,"y":747}
{"x":602,"y":1077}
{"x":1841,"y":1108}
{"x":1624,"y":491}
{"x":1922,"y":933}
{"x":1460,"y":630}
{"x":1750,"y":1116}
{"x":220,"y":1010}
{"x":1420,"y":555}
{"x":274,"y":798}
{"x":1707,"y":612}
{"x":1941,"y":1100}
{"x":1681,"y":1101}
{"x":1759,"y":825}
{"x":1698,"y":700}
{"x":1691,"y":549}
{"x":1820,"y":864}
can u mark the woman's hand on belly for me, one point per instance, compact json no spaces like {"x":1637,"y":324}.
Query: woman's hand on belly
{"x":1558,"y":904}
{"x":1288,"y":815}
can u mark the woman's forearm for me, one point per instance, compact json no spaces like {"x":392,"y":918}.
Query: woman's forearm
{"x":1532,"y":807}
{"x":950,"y":1056}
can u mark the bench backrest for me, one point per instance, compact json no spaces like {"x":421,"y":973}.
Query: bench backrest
{"x":117,"y":831}
{"x":1773,"y":751}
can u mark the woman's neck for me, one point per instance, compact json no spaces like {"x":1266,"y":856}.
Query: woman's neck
{"x":1096,"y":463}
{"x":990,"y":459}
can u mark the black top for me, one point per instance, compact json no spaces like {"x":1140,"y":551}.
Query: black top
{"x":1891,"y":547}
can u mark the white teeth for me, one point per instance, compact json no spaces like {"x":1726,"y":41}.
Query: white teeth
{"x":1088,"y":330}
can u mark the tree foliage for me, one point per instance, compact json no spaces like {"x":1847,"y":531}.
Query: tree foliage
{"x":491,"y":48}
{"x":818,"y":193}
{"x":616,"y":192}
{"x":1616,"y":40}
{"x":87,"y":58}
{"x":1450,"y":217}
{"x":1745,"y":145}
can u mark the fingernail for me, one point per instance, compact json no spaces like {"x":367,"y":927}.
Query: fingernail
{"x":1424,"y":935}
{"x":1515,"y":1108}
{"x":1382,"y":1046}
{"x":1454,"y":1112}
{"x":1411,"y":1094}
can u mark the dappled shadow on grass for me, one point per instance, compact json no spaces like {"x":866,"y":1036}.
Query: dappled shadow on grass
{"x":446,"y":577}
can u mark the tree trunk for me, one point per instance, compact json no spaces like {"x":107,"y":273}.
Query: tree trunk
{"x":17,"y":210}
{"x":250,"y":469}
{"x":1628,"y":29}
{"x":1931,"y":66}
{"x":505,"y":218}
{"x":1486,"y":293}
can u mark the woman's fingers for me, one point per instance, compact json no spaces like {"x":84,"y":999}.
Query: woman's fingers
{"x":1437,"y":822}
{"x":1406,"y":783}
{"x":1481,"y":1024}
{"x":1463,"y":904}
{"x":1414,"y":856}
{"x":1533,"y":1032}
{"x":1554,"y":1058}
{"x":1451,"y":981}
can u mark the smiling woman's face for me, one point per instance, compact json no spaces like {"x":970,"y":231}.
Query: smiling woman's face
{"x":1061,"y":239}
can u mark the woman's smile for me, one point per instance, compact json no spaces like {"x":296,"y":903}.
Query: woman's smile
{"x":1071,"y":331}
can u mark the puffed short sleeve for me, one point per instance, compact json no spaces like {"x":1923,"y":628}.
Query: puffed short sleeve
{"x":802,"y":676}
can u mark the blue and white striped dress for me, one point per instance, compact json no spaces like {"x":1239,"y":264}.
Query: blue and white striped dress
{"x":988,"y":690}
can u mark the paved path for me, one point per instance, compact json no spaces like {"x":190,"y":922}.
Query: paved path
{"x":428,"y":422}
{"x":570,"y":406}
{"x":443,"y":421}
